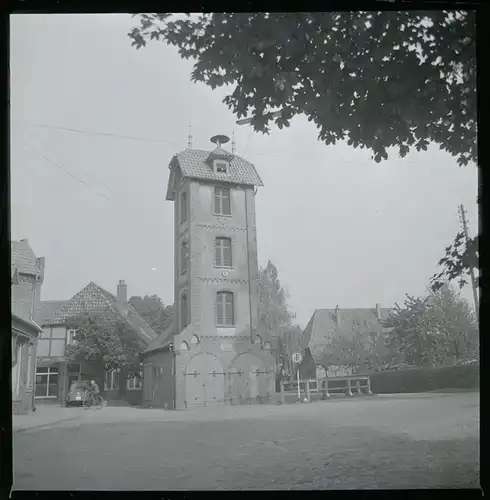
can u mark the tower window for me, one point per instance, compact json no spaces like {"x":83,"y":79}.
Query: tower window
{"x":221,"y":167}
{"x":184,"y":316}
{"x":183,"y":207}
{"x":184,"y":253}
{"x":224,"y":309}
{"x":222,"y":201}
{"x":223,"y":252}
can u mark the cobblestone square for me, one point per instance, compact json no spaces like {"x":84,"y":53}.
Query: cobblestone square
{"x":412,"y":441}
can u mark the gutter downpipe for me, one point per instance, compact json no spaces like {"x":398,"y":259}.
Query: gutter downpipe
{"x":174,"y":375}
{"x":248,"y":268}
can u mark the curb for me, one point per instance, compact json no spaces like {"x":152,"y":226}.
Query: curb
{"x":41,"y":426}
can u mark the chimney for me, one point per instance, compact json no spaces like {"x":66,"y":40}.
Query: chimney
{"x":122,"y":296}
{"x":378,"y":311}
{"x":337,"y":317}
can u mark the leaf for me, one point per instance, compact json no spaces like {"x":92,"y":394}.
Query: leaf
{"x":398,"y":100}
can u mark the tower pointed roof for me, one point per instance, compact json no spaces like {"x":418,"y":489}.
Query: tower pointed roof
{"x":195,"y":164}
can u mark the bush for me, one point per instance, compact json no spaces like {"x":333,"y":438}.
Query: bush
{"x":426,"y":379}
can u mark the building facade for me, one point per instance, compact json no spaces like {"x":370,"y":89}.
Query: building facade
{"x":213,"y":353}
{"x":55,"y":373}
{"x":27,"y":275}
{"x":327,"y":324}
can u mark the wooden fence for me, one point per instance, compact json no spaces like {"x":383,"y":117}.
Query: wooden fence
{"x":312,"y":388}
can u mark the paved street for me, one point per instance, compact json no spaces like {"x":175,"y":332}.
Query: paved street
{"x":381,"y":442}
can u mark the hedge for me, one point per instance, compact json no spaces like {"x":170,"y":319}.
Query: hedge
{"x":426,"y":379}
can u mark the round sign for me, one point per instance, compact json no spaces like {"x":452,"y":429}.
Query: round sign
{"x":297,"y":357}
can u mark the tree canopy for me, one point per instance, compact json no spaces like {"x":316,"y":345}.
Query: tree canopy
{"x":153,"y":311}
{"x":276,"y":318}
{"x":459,"y":258}
{"x":378,"y":79}
{"x":103,"y":344}
{"x":356,"y":346}
{"x":432,"y":330}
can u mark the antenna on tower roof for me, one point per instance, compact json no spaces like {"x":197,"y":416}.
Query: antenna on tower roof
{"x":219,"y":140}
{"x":189,"y":137}
{"x":233,"y":144}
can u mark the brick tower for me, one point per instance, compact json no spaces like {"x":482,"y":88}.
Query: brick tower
{"x":219,"y":356}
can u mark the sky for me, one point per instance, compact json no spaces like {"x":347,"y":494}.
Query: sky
{"x":341,"y":229}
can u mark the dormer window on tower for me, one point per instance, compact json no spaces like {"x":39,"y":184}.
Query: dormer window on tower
{"x":221,"y":166}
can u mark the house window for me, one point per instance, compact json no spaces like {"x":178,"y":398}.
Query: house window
{"x":220,"y":166}
{"x":266,"y":345}
{"x":184,"y":307}
{"x":71,"y":337}
{"x":111,"y":380}
{"x":183,"y":207}
{"x":133,"y":383}
{"x":184,"y":253}
{"x":46,"y":382}
{"x":222,"y":201}
{"x":223,"y":252}
{"x":258,"y":339}
{"x":194,"y":340}
{"x":184,"y":346}
{"x":224,"y":309}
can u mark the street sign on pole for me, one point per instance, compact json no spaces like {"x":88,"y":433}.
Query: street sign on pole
{"x":297,"y":358}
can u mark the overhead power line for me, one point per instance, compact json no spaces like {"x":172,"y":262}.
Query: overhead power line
{"x":56,"y":164}
{"x":90,"y":132}
{"x":120,"y":226}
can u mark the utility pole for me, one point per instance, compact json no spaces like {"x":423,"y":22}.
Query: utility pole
{"x":472,"y":271}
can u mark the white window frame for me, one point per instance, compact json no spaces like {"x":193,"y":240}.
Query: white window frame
{"x":52,"y":370}
{"x":218,"y":164}
{"x":131,"y":384}
{"x":220,"y":248}
{"x":221,"y":193}
{"x":111,"y":382}
{"x":70,"y":336}
{"x":223,"y":302}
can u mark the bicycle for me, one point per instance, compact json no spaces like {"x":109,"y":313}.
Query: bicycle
{"x":96,"y":399}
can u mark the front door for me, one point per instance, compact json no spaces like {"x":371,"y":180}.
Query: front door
{"x":204,"y":381}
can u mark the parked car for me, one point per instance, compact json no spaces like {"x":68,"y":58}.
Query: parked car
{"x":77,"y":393}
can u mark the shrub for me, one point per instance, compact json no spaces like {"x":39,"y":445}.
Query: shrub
{"x":426,"y":379}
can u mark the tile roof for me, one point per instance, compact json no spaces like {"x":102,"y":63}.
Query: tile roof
{"x":322,"y":326}
{"x":23,"y":258}
{"x":96,"y":299}
{"x":47,"y":309}
{"x":164,"y":339}
{"x":193,"y":164}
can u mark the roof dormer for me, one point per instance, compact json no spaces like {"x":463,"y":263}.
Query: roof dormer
{"x":219,"y":159}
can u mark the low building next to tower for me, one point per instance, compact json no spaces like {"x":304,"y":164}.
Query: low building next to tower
{"x":213,"y":352}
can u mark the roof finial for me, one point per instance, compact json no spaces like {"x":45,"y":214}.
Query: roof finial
{"x":189,"y":137}
{"x":233,"y":144}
